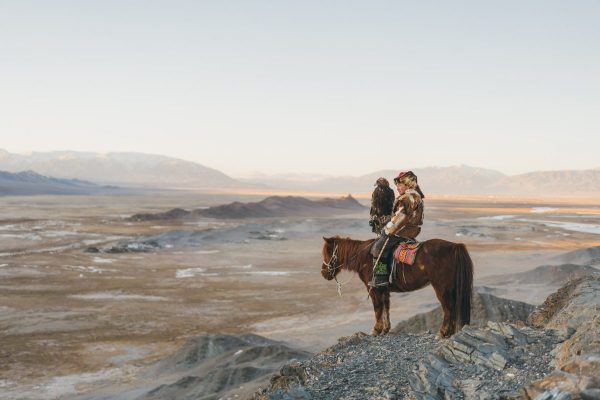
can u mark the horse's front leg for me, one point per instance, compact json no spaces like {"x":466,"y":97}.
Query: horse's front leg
{"x":386,"y":311}
{"x":377,"y":297}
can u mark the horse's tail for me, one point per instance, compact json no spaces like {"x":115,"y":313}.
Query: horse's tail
{"x":463,"y":285}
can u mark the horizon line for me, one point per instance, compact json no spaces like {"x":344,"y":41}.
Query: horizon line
{"x":250,"y":176}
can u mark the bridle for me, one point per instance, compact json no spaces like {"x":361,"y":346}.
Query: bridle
{"x":331,"y":267}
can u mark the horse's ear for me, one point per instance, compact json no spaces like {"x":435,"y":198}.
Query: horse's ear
{"x":328,"y":240}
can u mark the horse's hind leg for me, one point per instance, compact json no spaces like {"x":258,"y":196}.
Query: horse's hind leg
{"x":377,"y":297}
{"x":447,"y":300}
{"x":386,"y":313}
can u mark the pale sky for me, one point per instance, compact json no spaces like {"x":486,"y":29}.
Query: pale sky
{"x":332,"y":87}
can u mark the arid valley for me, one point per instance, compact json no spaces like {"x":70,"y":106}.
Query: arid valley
{"x":90,"y":298}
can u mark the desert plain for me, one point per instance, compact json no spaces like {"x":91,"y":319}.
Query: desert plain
{"x":73,"y":319}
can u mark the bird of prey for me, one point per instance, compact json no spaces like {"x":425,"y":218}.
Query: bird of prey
{"x":382,"y":203}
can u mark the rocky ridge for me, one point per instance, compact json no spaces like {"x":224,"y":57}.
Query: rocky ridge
{"x":207,"y":367}
{"x":273,"y":206}
{"x":575,"y":308}
{"x":484,"y":307}
{"x":555,"y":356}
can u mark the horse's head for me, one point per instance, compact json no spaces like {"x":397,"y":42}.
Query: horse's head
{"x":331,"y":263}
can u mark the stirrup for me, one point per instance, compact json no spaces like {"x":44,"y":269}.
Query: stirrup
{"x":376,"y":283}
{"x":379,"y":285}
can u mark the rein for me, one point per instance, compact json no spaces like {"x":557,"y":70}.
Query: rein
{"x":339,"y":284}
{"x":331,"y":270}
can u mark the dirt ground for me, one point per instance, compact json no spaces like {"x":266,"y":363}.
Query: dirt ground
{"x":71,"y":319}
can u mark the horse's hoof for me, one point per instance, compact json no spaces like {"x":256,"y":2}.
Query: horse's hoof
{"x":375,"y":333}
{"x":441,"y":336}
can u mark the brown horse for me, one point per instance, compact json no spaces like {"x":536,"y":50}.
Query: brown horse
{"x":445,"y":265}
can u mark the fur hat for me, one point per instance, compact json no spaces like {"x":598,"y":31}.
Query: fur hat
{"x":408,"y":178}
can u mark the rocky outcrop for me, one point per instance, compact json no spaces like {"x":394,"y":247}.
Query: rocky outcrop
{"x":284,"y":206}
{"x":484,"y":307}
{"x":557,"y":356}
{"x":548,"y":274}
{"x":590,"y":256}
{"x":140,"y":246}
{"x":175,"y":213}
{"x":207,"y":367}
{"x":274,"y":206}
{"x":574,"y":309}
{"x":357,"y":367}
{"x":579,"y":379}
{"x":493,"y":362}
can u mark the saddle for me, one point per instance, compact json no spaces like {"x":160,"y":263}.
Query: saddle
{"x":406,"y":252}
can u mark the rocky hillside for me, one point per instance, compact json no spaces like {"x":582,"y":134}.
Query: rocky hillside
{"x":283,"y":206}
{"x":274,"y":206}
{"x":589,"y":256}
{"x":548,"y":274}
{"x":555,"y":356}
{"x":207,"y":367}
{"x":484,"y":307}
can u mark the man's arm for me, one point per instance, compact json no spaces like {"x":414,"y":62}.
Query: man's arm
{"x":408,"y":203}
{"x":396,"y":223}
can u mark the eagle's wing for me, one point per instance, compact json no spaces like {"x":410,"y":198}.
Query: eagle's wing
{"x":382,"y":202}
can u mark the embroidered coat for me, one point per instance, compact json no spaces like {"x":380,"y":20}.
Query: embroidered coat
{"x":408,"y":215}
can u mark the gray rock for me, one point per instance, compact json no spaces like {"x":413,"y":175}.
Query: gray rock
{"x":497,"y":361}
{"x":484,"y":307}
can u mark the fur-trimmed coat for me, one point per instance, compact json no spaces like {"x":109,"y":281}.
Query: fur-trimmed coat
{"x":408,"y":215}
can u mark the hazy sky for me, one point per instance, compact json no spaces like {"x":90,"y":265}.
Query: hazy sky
{"x":334,"y":87}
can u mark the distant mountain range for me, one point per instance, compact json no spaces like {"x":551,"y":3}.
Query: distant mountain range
{"x":147,"y":170}
{"x":455,"y":180}
{"x":128,"y":169}
{"x":30,"y":183}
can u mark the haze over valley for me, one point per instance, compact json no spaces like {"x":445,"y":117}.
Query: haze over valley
{"x":131,"y":170}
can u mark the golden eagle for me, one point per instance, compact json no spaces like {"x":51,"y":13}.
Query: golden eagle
{"x":382,"y":203}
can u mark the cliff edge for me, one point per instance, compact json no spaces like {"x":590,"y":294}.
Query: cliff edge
{"x":555,"y":355}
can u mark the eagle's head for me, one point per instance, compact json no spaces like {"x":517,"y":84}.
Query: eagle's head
{"x":382,"y":182}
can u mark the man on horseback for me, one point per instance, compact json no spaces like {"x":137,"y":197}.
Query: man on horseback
{"x":404,"y":226}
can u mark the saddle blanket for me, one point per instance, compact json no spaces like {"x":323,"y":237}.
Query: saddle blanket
{"x":406,"y":252}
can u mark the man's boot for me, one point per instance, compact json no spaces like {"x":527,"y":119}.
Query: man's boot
{"x":381,"y":274}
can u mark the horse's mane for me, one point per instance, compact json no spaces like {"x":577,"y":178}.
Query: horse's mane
{"x":353,"y":253}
